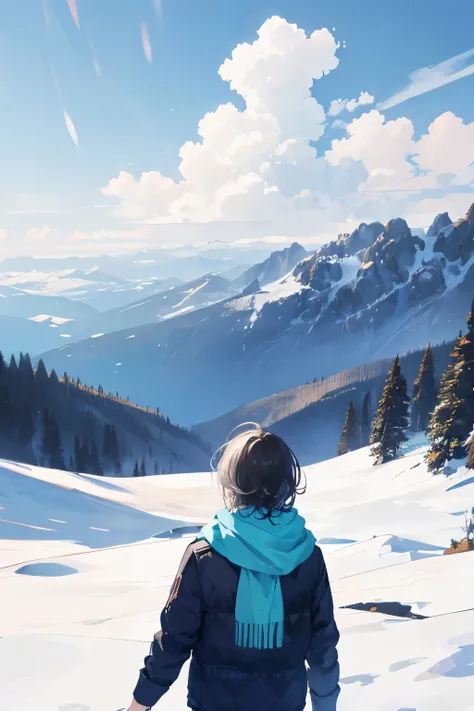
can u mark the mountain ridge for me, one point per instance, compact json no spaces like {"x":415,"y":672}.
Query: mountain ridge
{"x":364,"y":296}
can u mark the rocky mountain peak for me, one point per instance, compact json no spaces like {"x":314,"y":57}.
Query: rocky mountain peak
{"x":439,"y":223}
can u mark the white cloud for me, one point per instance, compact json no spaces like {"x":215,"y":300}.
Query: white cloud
{"x":429,"y":78}
{"x":339,"y":105}
{"x":256,"y":172}
{"x":223,"y":175}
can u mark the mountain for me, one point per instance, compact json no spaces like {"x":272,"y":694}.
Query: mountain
{"x":153,"y":308}
{"x":87,"y":413}
{"x":274,"y":267}
{"x":365,"y":296}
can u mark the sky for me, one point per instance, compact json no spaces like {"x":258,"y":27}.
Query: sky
{"x":142,"y":124}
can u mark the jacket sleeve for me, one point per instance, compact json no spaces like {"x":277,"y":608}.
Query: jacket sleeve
{"x":322,"y":657}
{"x":180,"y":628}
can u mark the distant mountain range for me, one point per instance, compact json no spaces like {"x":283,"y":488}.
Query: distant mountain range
{"x":368,"y":294}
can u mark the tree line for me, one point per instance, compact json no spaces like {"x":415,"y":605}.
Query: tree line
{"x":32,"y":429}
{"x":444,"y":411}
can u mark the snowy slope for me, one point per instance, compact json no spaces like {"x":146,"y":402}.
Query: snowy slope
{"x":78,"y":615}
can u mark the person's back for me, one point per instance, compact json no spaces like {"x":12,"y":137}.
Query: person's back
{"x":251,"y":601}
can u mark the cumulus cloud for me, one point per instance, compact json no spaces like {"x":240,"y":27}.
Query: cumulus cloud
{"x":230,"y":173}
{"x":429,"y":78}
{"x":339,"y":105}
{"x":259,"y":167}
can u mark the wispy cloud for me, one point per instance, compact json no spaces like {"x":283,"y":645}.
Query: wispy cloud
{"x":146,"y":43}
{"x":158,"y":5}
{"x":429,"y":78}
{"x":71,"y":128}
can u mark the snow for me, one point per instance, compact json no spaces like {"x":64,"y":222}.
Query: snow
{"x":97,"y":335}
{"x":55,"y":320}
{"x":280,"y":289}
{"x":86,"y":564}
{"x":184,"y":310}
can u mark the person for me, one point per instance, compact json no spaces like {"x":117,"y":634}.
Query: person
{"x":251,"y":601}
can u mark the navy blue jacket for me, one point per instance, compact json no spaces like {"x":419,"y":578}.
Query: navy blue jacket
{"x":199,"y":619}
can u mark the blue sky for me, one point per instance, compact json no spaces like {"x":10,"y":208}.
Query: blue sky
{"x":133,"y":115}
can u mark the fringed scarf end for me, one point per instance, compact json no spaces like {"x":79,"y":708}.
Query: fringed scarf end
{"x":254,"y":636}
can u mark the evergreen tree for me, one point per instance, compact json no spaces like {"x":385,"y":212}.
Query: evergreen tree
{"x":115,"y":452}
{"x":26,"y":426}
{"x":350,"y":439}
{"x":71,"y":463}
{"x":95,"y":463}
{"x":46,"y":438}
{"x":156,"y":468}
{"x":78,"y":461}
{"x":470,"y":451}
{"x":366,"y":420}
{"x":3,"y":366}
{"x":424,"y":393}
{"x":136,"y":471}
{"x":106,"y":443}
{"x":391,"y":419}
{"x":86,"y":456}
{"x":53,"y":378}
{"x":41,"y":374}
{"x":12,"y":368}
{"x":56,"y":457}
{"x":143,"y":467}
{"x":453,"y":416}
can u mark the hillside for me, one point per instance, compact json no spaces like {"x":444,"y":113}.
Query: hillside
{"x":382,"y":529}
{"x":310,"y":417}
{"x":69,"y":425}
{"x":364,"y":297}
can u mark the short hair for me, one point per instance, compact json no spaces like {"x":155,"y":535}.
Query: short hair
{"x":256,"y":469}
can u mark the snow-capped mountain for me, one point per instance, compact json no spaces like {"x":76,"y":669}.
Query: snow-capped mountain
{"x":276,"y":266}
{"x":364,"y":296}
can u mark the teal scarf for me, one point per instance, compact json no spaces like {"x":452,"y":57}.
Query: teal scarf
{"x":264,"y":550}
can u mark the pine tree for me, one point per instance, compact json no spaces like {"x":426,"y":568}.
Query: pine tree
{"x":424,"y":393}
{"x":25,"y":369}
{"x":391,"y":419}
{"x":470,"y":451}
{"x":71,"y":463}
{"x":26,"y":428}
{"x":143,"y":467}
{"x":156,"y":469}
{"x":46,"y":438}
{"x":453,"y":416}
{"x":350,"y":439}
{"x":41,"y":375}
{"x":53,"y":378}
{"x":12,"y":368}
{"x":86,"y":456}
{"x":136,"y":471}
{"x":56,"y":457}
{"x":95,"y":463}
{"x":79,"y":464}
{"x":115,"y":452}
{"x":3,"y":366}
{"x":366,"y":420}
